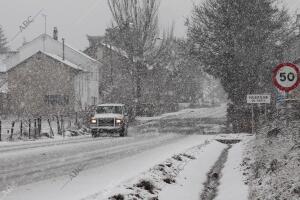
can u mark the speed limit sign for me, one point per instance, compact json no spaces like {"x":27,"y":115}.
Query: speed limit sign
{"x":286,"y":77}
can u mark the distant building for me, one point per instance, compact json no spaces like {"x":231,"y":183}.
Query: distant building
{"x":95,"y":49}
{"x":119,"y":72}
{"x":47,"y":76}
{"x":117,"y":85}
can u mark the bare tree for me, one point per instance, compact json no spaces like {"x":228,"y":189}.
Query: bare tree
{"x":136,"y":31}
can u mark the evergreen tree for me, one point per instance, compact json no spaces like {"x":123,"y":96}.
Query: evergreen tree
{"x":237,"y":42}
{"x":3,"y":41}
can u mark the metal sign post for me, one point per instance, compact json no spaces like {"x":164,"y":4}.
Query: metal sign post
{"x":252,"y":110}
{"x":266,"y":112}
{"x":286,"y":77}
{"x":258,"y":99}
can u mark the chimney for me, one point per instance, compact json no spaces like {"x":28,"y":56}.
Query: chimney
{"x":55,"y":33}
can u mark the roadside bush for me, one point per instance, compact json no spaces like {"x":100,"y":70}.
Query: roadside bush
{"x":177,"y":157}
{"x":146,"y":185}
{"x":189,"y":156}
{"x":117,"y":197}
{"x":169,"y":180}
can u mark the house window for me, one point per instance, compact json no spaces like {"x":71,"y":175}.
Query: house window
{"x":53,"y":100}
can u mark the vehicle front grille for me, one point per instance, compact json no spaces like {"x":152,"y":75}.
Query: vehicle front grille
{"x":106,"y":122}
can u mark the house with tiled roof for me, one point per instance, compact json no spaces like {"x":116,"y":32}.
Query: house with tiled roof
{"x":47,"y":76}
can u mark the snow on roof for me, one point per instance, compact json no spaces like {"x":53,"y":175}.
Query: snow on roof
{"x":124,"y":54}
{"x":55,"y":57}
{"x":115,"y":49}
{"x":81,"y":53}
{"x":47,"y":44}
{"x":63,"y":61}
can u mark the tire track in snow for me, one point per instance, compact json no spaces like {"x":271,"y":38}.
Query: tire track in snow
{"x":32,"y":145}
{"x":32,"y":172}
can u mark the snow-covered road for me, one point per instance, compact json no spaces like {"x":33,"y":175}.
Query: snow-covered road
{"x":115,"y":165}
{"x":33,"y":164}
{"x":86,"y":168}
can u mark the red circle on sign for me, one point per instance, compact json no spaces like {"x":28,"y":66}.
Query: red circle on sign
{"x":276,"y":70}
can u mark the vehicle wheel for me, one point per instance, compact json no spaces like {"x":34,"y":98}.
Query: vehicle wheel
{"x":95,"y":134}
{"x":126,"y":131}
{"x":123,"y":132}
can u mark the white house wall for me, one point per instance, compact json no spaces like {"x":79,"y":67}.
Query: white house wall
{"x":80,"y":85}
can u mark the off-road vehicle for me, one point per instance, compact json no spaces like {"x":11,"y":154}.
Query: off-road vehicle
{"x":109,"y":118}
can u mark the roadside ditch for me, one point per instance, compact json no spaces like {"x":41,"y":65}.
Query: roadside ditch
{"x":214,"y":175}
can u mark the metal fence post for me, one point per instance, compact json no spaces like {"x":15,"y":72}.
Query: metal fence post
{"x":62,"y":126}
{"x":39,"y":126}
{"x":21,"y":128}
{"x":76,"y":119}
{"x":29,"y":127}
{"x":35,"y":128}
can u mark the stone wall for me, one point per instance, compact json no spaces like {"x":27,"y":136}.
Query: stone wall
{"x":41,"y":85}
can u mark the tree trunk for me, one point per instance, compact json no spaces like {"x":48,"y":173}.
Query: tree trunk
{"x":51,"y":130}
{"x":138,"y":88}
{"x":58,"y":125}
{"x":12,"y":130}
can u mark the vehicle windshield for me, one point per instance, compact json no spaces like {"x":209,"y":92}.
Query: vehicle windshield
{"x":109,"y":109}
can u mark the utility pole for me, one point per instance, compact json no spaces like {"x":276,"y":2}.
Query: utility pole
{"x":45,"y":23}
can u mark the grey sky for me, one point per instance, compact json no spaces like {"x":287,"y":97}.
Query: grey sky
{"x":76,"y":19}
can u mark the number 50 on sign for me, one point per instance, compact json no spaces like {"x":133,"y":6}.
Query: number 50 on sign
{"x":286,"y":77}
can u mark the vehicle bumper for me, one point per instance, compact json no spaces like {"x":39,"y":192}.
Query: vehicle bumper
{"x":107,"y":129}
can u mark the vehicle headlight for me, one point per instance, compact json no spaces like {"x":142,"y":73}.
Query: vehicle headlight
{"x":119,"y":121}
{"x":93,"y":121}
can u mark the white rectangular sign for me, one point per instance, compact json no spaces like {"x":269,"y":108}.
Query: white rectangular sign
{"x":259,"y":98}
